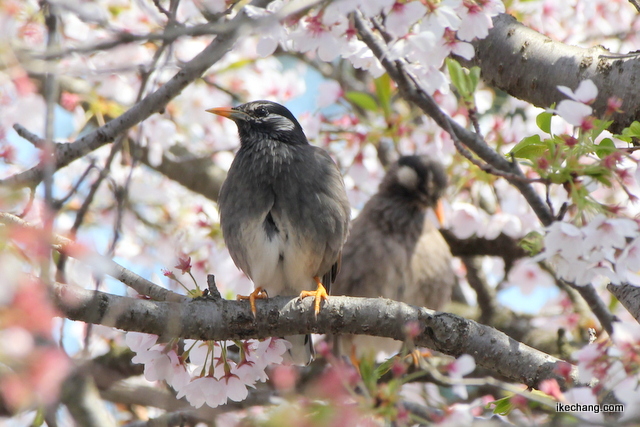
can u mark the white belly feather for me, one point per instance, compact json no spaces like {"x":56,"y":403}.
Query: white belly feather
{"x":279,"y":264}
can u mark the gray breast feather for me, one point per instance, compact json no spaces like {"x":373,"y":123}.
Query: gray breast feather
{"x":282,"y":235}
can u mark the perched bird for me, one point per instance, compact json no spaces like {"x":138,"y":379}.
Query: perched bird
{"x":394,"y":250}
{"x":283,"y":209}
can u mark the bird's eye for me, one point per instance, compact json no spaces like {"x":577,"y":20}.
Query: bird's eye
{"x":261,"y":112}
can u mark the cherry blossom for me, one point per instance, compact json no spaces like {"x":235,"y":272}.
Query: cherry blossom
{"x":628,"y":263}
{"x":204,"y":390}
{"x":528,"y":275}
{"x":329,"y":92}
{"x":462,"y":366}
{"x":476,"y":18}
{"x":440,"y":16}
{"x":270,"y":36}
{"x":577,"y":108}
{"x":608,"y":234}
{"x":211,"y":377}
{"x":403,"y":15}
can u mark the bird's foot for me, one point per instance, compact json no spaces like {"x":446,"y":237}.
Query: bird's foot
{"x":417,"y":355}
{"x":258,"y":293}
{"x":319,"y":295}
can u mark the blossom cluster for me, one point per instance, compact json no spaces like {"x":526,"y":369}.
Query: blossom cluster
{"x":425,"y":34}
{"x":205,"y":372}
{"x":604,"y":247}
{"x":613,"y":363}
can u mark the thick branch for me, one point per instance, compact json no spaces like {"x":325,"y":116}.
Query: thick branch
{"x":199,"y":174}
{"x":281,"y":316}
{"x":629,"y":296}
{"x":530,"y":66}
{"x":502,"y":246}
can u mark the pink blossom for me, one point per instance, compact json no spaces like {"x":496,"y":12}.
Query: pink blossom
{"x":139,"y":342}
{"x":589,"y":358}
{"x":607,"y":233}
{"x":313,"y":35}
{"x":462,"y":366}
{"x":268,"y":351}
{"x":284,"y":378}
{"x":501,"y":222}
{"x":584,"y":396}
{"x":552,"y":388}
{"x":204,"y":390}
{"x":234,"y":388}
{"x":440,"y":16}
{"x":402,"y":16}
{"x":476,"y":18}
{"x":564,"y":238}
{"x":270,"y":35}
{"x":628,"y":263}
{"x":527,"y":275}
{"x":329,"y":93}
{"x":467,"y":220}
{"x":576,"y":109}
{"x":360,"y":56}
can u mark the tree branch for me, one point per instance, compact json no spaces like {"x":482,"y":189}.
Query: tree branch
{"x":281,"y":316}
{"x":530,"y":66}
{"x":629,"y":296}
{"x":98,"y":262}
{"x":198,"y":174}
{"x":152,"y":103}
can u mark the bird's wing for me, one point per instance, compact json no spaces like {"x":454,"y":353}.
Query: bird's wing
{"x":431,"y":266}
{"x":373,"y":264}
{"x":338,"y":217}
{"x":243,"y":207}
{"x":312,"y":197}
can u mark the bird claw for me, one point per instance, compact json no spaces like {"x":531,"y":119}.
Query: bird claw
{"x":258,"y":293}
{"x":319,"y":295}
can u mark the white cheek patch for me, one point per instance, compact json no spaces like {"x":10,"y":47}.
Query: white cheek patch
{"x":280,"y":123}
{"x":408,"y":177}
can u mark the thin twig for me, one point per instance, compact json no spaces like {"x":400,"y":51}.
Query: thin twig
{"x":485,"y":296}
{"x":99,"y":262}
{"x":29,"y":136}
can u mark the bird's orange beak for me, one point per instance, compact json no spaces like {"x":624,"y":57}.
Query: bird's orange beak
{"x":230,"y":113}
{"x":439,"y":211}
{"x":222,"y":111}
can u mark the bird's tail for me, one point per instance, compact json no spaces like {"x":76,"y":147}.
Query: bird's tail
{"x":301,"y":351}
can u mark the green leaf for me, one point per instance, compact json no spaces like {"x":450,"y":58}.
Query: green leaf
{"x":384,"y":367}
{"x":474,"y":77}
{"x":544,"y":122}
{"x":605,"y":148}
{"x":529,"y":148}
{"x":603,"y":179}
{"x":383,"y":90}
{"x":633,"y":130}
{"x":502,"y":406}
{"x":39,"y":419}
{"x":458,"y":77}
{"x":362,"y":100}
{"x":533,"y":243}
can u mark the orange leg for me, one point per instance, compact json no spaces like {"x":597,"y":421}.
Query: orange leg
{"x":258,"y":293}
{"x":416,"y":355}
{"x":319,"y":295}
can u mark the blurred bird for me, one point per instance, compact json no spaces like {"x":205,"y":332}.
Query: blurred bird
{"x":283,"y":208}
{"x":394,"y":250}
